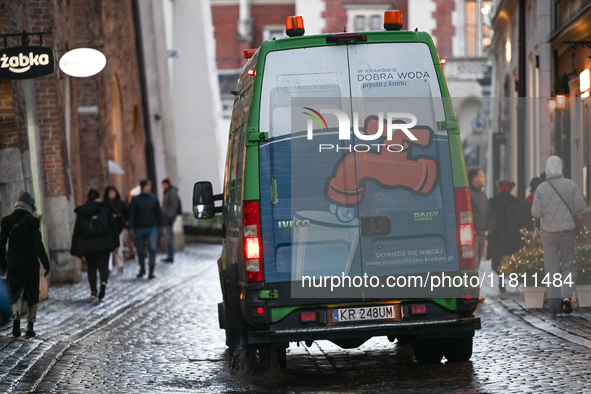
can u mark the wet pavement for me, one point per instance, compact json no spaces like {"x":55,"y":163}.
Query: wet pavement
{"x":162,"y":336}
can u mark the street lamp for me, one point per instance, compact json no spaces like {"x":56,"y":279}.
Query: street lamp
{"x":551,"y":105}
{"x":584,"y":83}
{"x":560,"y":101}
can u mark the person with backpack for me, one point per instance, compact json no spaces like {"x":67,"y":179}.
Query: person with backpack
{"x":21,"y":263}
{"x":145,"y":218}
{"x":95,"y":237}
{"x":171,"y":208}
{"x":119,"y":210}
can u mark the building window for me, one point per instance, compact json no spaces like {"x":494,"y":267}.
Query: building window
{"x":364,"y":16}
{"x":375,"y":22}
{"x":271,"y":32}
{"x":477,"y":27}
{"x":359,"y":23}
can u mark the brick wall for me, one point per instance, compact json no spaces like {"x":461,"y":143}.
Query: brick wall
{"x":8,"y":129}
{"x":107,"y":26}
{"x":225,"y":21}
{"x":445,"y":29}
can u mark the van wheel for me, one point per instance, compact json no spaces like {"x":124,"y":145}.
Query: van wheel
{"x":428,"y":351}
{"x":241,"y":362}
{"x":273,"y":358}
{"x":458,"y":349}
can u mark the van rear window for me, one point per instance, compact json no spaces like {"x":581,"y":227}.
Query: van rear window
{"x":403,"y":70}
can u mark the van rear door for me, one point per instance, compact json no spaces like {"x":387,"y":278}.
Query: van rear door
{"x":302,"y":238}
{"x":336,"y":202}
{"x":406,"y":208}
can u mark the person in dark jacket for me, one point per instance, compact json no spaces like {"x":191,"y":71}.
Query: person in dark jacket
{"x":21,"y":263}
{"x":119,"y":210}
{"x":145,"y":218}
{"x":171,"y":207}
{"x":95,"y":237}
{"x":523,"y":215}
{"x":504,"y":235}
{"x":480,"y":212}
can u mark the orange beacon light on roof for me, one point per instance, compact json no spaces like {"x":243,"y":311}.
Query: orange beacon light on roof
{"x":294,"y":26}
{"x":393,"y":20}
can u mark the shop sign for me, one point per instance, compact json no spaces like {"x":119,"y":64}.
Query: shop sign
{"x":82,"y":62}
{"x":26,"y":62}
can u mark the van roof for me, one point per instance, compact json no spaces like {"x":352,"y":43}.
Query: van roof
{"x":373,"y":37}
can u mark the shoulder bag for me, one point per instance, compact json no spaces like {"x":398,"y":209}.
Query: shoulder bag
{"x":579,"y":227}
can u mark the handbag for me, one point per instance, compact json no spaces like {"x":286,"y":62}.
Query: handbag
{"x":579,"y":226}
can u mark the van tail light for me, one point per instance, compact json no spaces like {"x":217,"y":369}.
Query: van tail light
{"x":248,"y":53}
{"x":420,"y":309}
{"x":252,"y":241}
{"x":308,"y":317}
{"x":465,"y":228}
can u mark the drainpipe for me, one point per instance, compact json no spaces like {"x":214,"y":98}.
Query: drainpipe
{"x":521,"y":107}
{"x":149,"y":146}
{"x":244,"y":22}
{"x":34,"y":137}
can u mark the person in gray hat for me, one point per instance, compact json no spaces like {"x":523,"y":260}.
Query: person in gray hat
{"x":21,"y":231}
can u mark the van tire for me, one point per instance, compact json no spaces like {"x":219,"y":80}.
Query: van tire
{"x":458,"y":349}
{"x":428,"y":351}
{"x":273,"y":358}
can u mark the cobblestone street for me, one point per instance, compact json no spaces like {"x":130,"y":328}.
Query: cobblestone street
{"x":162,"y":336}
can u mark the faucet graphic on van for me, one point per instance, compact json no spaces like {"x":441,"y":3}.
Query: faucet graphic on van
{"x":347,"y":185}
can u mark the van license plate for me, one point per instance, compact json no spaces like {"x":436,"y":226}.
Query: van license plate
{"x":367,"y":313}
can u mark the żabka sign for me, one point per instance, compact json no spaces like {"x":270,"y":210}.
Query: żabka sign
{"x":26,"y":62}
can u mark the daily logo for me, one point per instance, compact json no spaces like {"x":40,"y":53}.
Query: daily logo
{"x":425,"y":216}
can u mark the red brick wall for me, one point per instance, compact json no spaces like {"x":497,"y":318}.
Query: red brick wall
{"x":445,"y":30}
{"x":225,"y":20}
{"x":108,"y":26}
{"x":8,"y":129}
{"x":336,"y":15}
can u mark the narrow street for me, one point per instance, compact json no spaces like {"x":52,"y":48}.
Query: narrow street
{"x":162,"y":336}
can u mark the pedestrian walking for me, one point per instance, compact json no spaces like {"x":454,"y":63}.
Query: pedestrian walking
{"x":119,"y":211}
{"x":171,"y":208}
{"x":556,"y":202}
{"x":523,"y":215}
{"x":95,"y":237}
{"x":145,"y":218}
{"x":21,"y":231}
{"x":480,"y":212}
{"x":504,"y":236}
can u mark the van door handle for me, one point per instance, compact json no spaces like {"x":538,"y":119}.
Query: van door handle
{"x":376,"y":225}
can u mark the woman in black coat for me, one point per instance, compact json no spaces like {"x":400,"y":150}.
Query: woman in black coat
{"x":119,"y":210}
{"x":95,"y":237}
{"x":504,"y":238}
{"x":25,"y":248}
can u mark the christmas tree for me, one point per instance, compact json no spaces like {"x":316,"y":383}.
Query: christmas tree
{"x":529,"y":259}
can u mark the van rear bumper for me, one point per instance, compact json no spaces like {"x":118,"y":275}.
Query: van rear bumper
{"x":443,"y":328}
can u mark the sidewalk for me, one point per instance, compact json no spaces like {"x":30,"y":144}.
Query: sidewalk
{"x":70,"y":315}
{"x":574,"y":327}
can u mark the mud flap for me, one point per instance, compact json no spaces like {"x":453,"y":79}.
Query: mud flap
{"x":234,"y":323}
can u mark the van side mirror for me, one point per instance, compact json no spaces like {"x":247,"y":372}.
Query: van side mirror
{"x":203,"y":201}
